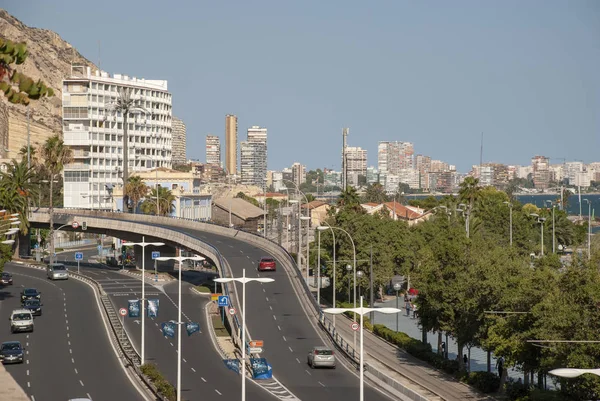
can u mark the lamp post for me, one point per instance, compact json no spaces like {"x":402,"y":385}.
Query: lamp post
{"x":553,"y":227}
{"x":572,"y":372}
{"x":361,"y":311}
{"x":300,"y":229}
{"x":540,"y":220}
{"x":244,"y":280}
{"x":180,"y":259}
{"x":510,"y":207}
{"x":321,"y":228}
{"x":589,"y":228}
{"x":397,"y":287}
{"x":144,"y":244}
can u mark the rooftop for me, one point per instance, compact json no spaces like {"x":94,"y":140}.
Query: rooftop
{"x":239,"y":207}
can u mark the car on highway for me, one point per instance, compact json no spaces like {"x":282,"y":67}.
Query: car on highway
{"x":33,"y":305}
{"x":30,"y":293}
{"x":266,"y":263}
{"x":21,"y":320}
{"x":6,"y":278}
{"x":321,"y":357}
{"x":11,"y":352}
{"x":57,"y":271}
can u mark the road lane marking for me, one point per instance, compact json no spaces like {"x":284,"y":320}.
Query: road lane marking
{"x":28,"y":362}
{"x":69,"y":342}
{"x":70,"y":351}
{"x":217,"y":391}
{"x":27,"y":336}
{"x":67,"y":327}
{"x":183,"y":359}
{"x":274,"y":317}
{"x":72,"y":360}
{"x":284,"y":339}
{"x":321,"y":384}
{"x":298,"y":360}
{"x":27,"y":344}
{"x":67,"y":321}
{"x":291,"y":350}
{"x":194,"y":370}
{"x":76,"y":372}
{"x":267,"y":298}
{"x":28,"y":385}
{"x":81,"y":383}
{"x":307,"y":372}
{"x":203,"y":379}
{"x":27,"y":372}
{"x":171,"y":344}
{"x":65,"y":315}
{"x":270,"y":307}
{"x":264,"y":290}
{"x":89,"y":396}
{"x":279,"y":328}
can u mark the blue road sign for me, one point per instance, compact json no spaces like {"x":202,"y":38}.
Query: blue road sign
{"x":78,"y":255}
{"x":99,"y":248}
{"x":155,"y":254}
{"x":223,"y":300}
{"x":233,"y":364}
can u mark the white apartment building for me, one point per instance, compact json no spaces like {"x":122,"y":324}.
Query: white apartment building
{"x":298,"y":173}
{"x":178,"y":155}
{"x":253,"y":160}
{"x":213,"y":150}
{"x":356,"y":163}
{"x":95,"y":133}
{"x":411,"y":177}
{"x":393,"y":156}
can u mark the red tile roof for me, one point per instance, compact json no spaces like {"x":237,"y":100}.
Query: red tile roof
{"x":314,"y":204}
{"x":402,"y":212}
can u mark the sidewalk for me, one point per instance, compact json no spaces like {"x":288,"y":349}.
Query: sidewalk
{"x":9,"y":389}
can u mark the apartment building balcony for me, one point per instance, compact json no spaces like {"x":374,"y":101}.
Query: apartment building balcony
{"x":81,"y":154}
{"x":77,"y":166}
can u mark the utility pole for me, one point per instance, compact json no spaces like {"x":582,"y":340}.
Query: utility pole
{"x":345,"y":132}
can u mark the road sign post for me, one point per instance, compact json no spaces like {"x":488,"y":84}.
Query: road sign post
{"x":155,"y":254}
{"x":75,"y":225}
{"x":122,"y":312}
{"x":223,"y":301}
{"x":78,"y":258}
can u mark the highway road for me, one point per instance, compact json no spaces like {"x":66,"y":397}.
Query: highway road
{"x":203,"y":370}
{"x":69,"y":354}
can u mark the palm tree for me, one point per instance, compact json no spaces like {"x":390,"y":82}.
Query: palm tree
{"x":349,"y":200}
{"x":135,"y":190}
{"x":17,"y":188}
{"x":165,"y":201}
{"x":125,"y":105}
{"x":55,"y":155}
{"x":469,"y":191}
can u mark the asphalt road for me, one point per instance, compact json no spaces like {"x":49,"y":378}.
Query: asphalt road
{"x":68,"y":355}
{"x":203,"y":372}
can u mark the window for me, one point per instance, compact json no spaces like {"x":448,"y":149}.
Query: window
{"x":75,"y":112}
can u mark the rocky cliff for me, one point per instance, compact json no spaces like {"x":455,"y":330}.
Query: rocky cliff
{"x":50,"y":59}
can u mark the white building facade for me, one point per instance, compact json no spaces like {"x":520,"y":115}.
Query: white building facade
{"x":178,"y":155}
{"x":95,"y":134}
{"x":213,"y":150}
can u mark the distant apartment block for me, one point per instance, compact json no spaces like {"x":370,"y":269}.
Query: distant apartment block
{"x":393,"y":156}
{"x":372,"y":175}
{"x":253,"y":166}
{"x":332,"y":178}
{"x":231,"y":141}
{"x":356,"y":164}
{"x":178,"y":155}
{"x":541,"y":172}
{"x":298,"y":173}
{"x":287,"y":175}
{"x":213,"y":150}
{"x":95,"y":134}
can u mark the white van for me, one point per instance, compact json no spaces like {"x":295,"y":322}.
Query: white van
{"x":57,"y":271}
{"x":21,"y":320}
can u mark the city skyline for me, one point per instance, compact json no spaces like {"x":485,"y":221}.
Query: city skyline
{"x":437,"y":76}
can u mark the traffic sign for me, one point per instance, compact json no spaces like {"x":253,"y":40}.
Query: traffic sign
{"x":257,"y":343}
{"x":75,"y":224}
{"x":223,"y":300}
{"x":355,"y":326}
{"x":255,"y":350}
{"x":99,"y":247}
{"x":232,"y":311}
{"x":84,"y":226}
{"x":78,"y":255}
{"x":122,"y":311}
{"x":155,"y":254}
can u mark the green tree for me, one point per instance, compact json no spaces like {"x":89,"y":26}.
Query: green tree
{"x":18,"y":87}
{"x":55,"y":154}
{"x":350,"y":201}
{"x":16,"y":188}
{"x":376,"y":194}
{"x":165,"y":201}
{"x":136,"y":190}
{"x":247,"y":198}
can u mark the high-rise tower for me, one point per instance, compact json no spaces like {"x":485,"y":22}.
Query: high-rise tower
{"x":231,"y":132}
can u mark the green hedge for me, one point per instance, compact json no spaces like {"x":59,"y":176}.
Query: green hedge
{"x":202,"y":289}
{"x":218,"y":327}
{"x":163,"y":386}
{"x":485,"y":382}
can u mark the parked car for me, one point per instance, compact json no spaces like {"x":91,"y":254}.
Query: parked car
{"x":30,"y":293}
{"x":6,"y":278}
{"x":57,"y":271}
{"x":12,"y":352}
{"x":321,"y":356}
{"x":266,"y":263}
{"x":21,"y":320}
{"x":34,"y":306}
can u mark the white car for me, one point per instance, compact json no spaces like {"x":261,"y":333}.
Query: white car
{"x":21,"y":320}
{"x":57,"y":271}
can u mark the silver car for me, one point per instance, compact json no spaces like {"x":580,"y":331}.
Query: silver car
{"x":321,"y":357}
{"x":57,"y":271}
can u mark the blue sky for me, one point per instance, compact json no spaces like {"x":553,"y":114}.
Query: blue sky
{"x":436,"y":73}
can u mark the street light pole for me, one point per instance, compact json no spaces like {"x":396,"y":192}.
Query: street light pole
{"x":180,"y":259}
{"x":361,"y":311}
{"x":334,"y":273}
{"x":243,"y":280}
{"x":144,"y":244}
{"x":589,"y":228}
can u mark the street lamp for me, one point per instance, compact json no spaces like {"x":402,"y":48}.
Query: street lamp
{"x":360,"y":275}
{"x":321,"y":228}
{"x":571,"y":372}
{"x":510,"y":207}
{"x":180,"y":259}
{"x":397,"y":287}
{"x":244,"y":280}
{"x":553,"y":230}
{"x":144,"y":244}
{"x":540,"y":220}
{"x":589,"y":228}
{"x":300,"y":228}
{"x":361,"y":311}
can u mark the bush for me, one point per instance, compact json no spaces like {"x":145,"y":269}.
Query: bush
{"x":515,"y":390}
{"x":162,"y":385}
{"x":485,"y":382}
{"x":218,"y":327}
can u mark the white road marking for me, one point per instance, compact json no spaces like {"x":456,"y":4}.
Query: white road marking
{"x":291,"y":350}
{"x":67,"y":328}
{"x":89,"y":396}
{"x":267,"y":298}
{"x":67,"y":320}
{"x":307,"y":372}
{"x":284,"y":339}
{"x":217,"y":391}
{"x":69,"y":342}
{"x":27,"y":336}
{"x":183,"y":359}
{"x":27,"y":372}
{"x":27,"y":344}
{"x":76,"y":372}
{"x":67,"y":333}
{"x":194,"y":370}
{"x":321,"y":384}
{"x":28,"y":384}
{"x":274,"y":317}
{"x":279,"y":328}
{"x":270,"y":307}
{"x":72,"y":360}
{"x":298,"y":360}
{"x":70,"y":351}
{"x":171,"y":344}
{"x":28,"y":362}
{"x":264,"y":290}
{"x":203,"y":379}
{"x":81,"y":383}
{"x":32,"y":398}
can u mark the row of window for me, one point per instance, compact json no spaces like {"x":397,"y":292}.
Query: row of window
{"x":77,"y":176}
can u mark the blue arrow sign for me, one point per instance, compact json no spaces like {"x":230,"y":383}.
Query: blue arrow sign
{"x":155,"y":254}
{"x":233,"y":364}
{"x":78,"y":255}
{"x":223,"y":300}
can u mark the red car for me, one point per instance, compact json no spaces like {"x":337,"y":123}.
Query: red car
{"x":266,"y":263}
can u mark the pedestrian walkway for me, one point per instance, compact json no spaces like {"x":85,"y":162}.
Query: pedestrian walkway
{"x":410,"y":326}
{"x":9,"y":388}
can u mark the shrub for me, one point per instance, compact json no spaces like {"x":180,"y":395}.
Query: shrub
{"x":202,"y":289}
{"x":162,"y":385}
{"x":515,"y":390}
{"x":485,"y":382}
